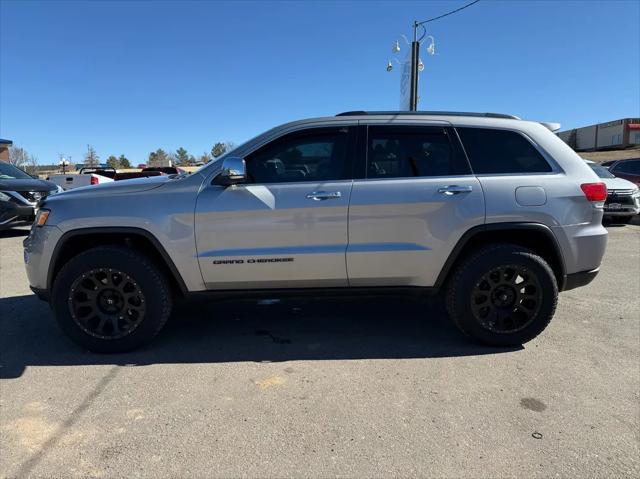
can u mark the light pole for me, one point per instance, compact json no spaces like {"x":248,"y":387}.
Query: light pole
{"x":416,"y":64}
{"x":64,"y":162}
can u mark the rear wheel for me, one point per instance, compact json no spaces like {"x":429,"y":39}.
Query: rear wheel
{"x":502,"y":295}
{"x":111,"y":299}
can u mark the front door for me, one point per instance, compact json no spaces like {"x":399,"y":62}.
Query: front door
{"x":287,"y":225}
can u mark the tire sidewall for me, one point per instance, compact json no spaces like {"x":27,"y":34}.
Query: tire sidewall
{"x":149,"y":280}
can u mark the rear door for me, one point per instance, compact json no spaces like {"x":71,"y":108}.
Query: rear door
{"x":287,"y":226}
{"x":416,"y":200}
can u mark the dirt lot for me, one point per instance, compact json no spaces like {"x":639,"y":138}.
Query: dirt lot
{"x":348,"y":388}
{"x":600,"y":156}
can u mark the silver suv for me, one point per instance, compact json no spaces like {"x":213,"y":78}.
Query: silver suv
{"x":497,"y":213}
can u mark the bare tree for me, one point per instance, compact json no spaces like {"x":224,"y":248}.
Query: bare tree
{"x":31,"y":166}
{"x":22,"y":159}
{"x":91,"y":158}
{"x":18,"y":156}
{"x":204,"y":158}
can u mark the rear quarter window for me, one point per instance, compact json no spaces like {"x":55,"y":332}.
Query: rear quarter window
{"x":492,"y":151}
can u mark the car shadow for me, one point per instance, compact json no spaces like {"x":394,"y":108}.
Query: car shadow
{"x":246,"y":330}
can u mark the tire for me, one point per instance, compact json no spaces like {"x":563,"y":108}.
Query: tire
{"x":487,"y":303}
{"x":111,"y":299}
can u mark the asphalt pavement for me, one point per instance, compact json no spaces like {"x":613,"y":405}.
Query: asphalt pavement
{"x":379,"y":387}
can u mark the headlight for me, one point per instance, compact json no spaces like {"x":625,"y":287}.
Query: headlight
{"x":4,"y":196}
{"x":636,"y":192}
{"x":42,"y":217}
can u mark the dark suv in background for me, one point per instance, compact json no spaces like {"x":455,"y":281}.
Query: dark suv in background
{"x":627,"y":169}
{"x":19,"y":195}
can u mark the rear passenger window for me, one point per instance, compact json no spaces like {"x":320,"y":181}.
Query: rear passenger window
{"x":406,"y":151}
{"x":501,"y":151}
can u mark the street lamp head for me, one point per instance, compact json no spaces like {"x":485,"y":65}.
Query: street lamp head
{"x":396,"y":47}
{"x":389,"y":66}
{"x":420,"y":65}
{"x":431,"y":49}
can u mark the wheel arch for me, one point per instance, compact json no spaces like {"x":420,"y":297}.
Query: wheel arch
{"x":76,"y":241}
{"x":535,"y":236}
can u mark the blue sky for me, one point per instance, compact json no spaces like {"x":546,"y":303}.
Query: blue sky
{"x":131,"y":77}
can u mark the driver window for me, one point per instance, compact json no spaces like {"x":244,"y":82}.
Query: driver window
{"x":311,"y":155}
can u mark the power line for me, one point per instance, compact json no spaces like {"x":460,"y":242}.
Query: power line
{"x":447,"y":14}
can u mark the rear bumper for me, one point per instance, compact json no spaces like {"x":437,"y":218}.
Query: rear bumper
{"x":582,"y":278}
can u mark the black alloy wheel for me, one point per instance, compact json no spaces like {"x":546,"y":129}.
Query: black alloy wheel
{"x":107,"y":303}
{"x":502,"y":295}
{"x":506,"y":299}
{"x":111,"y":298}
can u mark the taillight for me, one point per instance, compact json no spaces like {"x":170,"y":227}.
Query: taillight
{"x":94,"y":180}
{"x":594,"y":191}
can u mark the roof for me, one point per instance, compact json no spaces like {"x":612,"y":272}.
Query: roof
{"x":430,"y":113}
{"x":455,"y":114}
{"x":5,"y":142}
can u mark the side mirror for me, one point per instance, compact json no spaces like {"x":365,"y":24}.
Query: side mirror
{"x":233,"y":172}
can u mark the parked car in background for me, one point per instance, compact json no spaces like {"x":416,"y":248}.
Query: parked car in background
{"x":497,"y":213}
{"x":85,"y":177}
{"x":19,"y":195}
{"x":97,"y":176}
{"x":623,"y":197}
{"x":130,"y":175}
{"x":167,"y":170}
{"x":628,"y":169}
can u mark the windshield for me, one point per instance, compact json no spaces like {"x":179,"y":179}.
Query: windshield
{"x":10,"y":172}
{"x":601,"y":171}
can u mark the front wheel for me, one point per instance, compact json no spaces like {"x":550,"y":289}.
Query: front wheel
{"x":111,"y":299}
{"x":502,"y":295}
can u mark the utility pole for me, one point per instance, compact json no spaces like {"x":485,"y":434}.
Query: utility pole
{"x":415,"y":58}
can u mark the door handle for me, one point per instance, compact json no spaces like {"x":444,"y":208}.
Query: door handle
{"x":324,"y":195}
{"x":450,"y":190}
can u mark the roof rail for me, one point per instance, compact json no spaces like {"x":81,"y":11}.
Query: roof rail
{"x":431,"y":113}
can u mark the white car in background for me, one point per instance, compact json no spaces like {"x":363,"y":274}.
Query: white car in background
{"x":85,"y":177}
{"x":623,"y":197}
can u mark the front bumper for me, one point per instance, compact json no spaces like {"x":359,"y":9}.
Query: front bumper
{"x":622,"y":203}
{"x":12,"y":214}
{"x":626,"y":212}
{"x":38,"y":251}
{"x":42,"y":294}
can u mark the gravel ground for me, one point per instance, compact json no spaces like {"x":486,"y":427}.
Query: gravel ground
{"x":351,"y":388}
